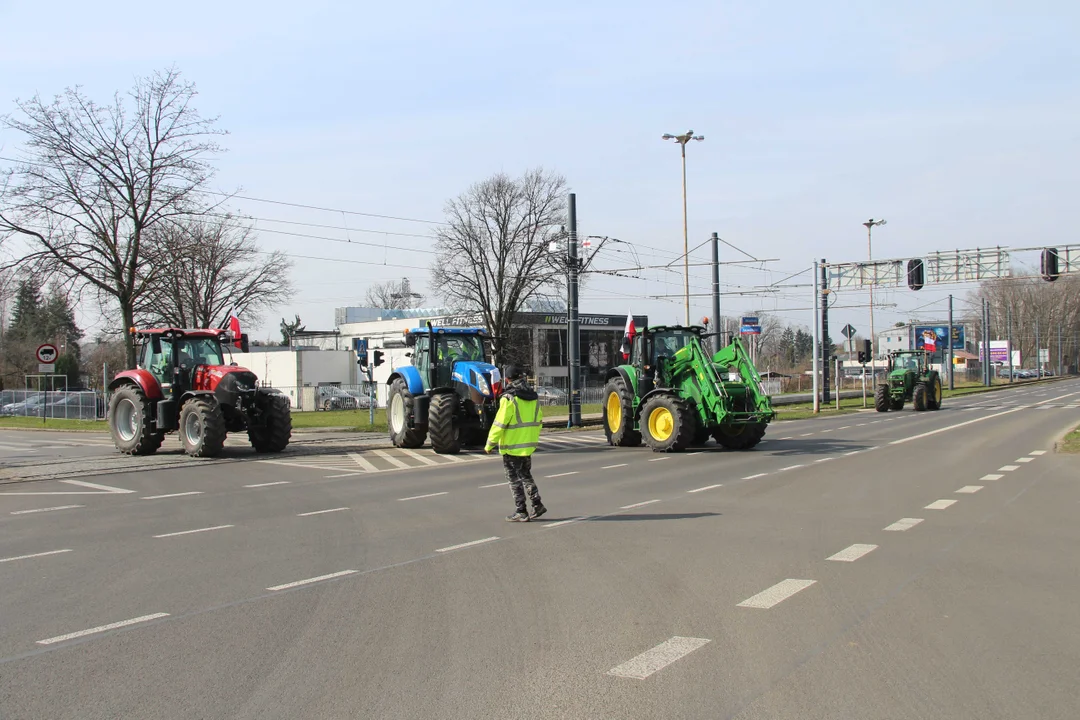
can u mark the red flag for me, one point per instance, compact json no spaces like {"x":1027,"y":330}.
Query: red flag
{"x":628,"y":337}
{"x":234,"y":328}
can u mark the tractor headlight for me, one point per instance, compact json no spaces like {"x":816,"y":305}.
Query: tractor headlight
{"x":482,"y":385}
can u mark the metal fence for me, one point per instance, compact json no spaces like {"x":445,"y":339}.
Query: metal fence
{"x":69,"y":405}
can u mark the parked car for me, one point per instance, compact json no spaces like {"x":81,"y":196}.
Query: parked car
{"x":331,"y":397}
{"x":31,"y":405}
{"x":550,"y":395}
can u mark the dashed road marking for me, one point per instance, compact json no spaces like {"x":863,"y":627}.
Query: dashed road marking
{"x":567,"y":522}
{"x":940,"y":504}
{"x":95,"y":486}
{"x":395,"y":461}
{"x":421,"y":497}
{"x":821,"y":460}
{"x":48,"y":509}
{"x":572,"y":472}
{"x":190,"y":532}
{"x":992,"y":476}
{"x":640,"y":504}
{"x":658,"y":658}
{"x":321,"y":512}
{"x":789,"y":467}
{"x":310,"y":581}
{"x":468,"y":544}
{"x":659,"y":459}
{"x":268,"y":484}
{"x":1037,"y":452}
{"x":806,"y":434}
{"x":970,"y":489}
{"x":751,"y":477}
{"x":852,"y":553}
{"x":904,"y":524}
{"x":34,"y":555}
{"x":775,"y":595}
{"x":1024,"y":460}
{"x":1008,"y":468}
{"x":102,"y":628}
{"x":703,"y":489}
{"x":171,"y":495}
{"x":612,"y":467}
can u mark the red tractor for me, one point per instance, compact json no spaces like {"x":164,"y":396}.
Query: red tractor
{"x":182,"y":383}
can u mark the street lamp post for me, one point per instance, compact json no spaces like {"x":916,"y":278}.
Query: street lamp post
{"x":682,"y":140}
{"x":870,"y":225}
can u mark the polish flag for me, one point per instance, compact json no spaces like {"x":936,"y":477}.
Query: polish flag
{"x":628,"y":336}
{"x":234,"y":328}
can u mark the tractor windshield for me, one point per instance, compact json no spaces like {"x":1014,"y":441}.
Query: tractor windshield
{"x":457,"y":348}
{"x":670,"y":342}
{"x":198,"y":351}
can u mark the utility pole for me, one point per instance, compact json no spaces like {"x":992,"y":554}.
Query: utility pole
{"x":952,"y":378}
{"x":1038,"y":355}
{"x":870,"y":225}
{"x":1059,"y":350}
{"x":824,"y":332}
{"x":716,"y":291}
{"x":574,"y":333}
{"x":682,"y":140}
{"x":817,"y":342}
{"x":986,"y":340}
{"x":1009,"y":337}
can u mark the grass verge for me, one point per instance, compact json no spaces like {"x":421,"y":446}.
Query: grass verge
{"x":33,"y":423}
{"x":1070,"y":443}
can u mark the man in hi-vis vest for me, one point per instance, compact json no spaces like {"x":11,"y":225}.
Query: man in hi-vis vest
{"x":516,"y":432}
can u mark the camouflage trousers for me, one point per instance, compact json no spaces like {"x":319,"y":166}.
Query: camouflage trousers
{"x":519,"y":474}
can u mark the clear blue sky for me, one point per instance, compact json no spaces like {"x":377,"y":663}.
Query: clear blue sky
{"x":955,"y":121}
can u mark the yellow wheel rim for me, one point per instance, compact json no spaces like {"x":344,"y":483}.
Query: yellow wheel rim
{"x":614,"y":412}
{"x":661,"y":423}
{"x":937,"y":392}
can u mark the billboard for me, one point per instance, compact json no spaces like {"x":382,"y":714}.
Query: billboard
{"x":935,"y":335}
{"x":999,"y":351}
{"x":749,"y":326}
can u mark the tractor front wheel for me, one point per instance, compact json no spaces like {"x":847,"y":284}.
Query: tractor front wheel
{"x":399,"y":407}
{"x":619,"y":414}
{"x":740,"y":437}
{"x":129,"y":422}
{"x":274,"y":435}
{"x":881,"y":398}
{"x":933,"y":402}
{"x":445,"y":433}
{"x":667,"y":423}
{"x":919,"y":397}
{"x":202,"y":427}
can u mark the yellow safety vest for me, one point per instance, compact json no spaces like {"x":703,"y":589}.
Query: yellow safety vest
{"x":512,"y":434}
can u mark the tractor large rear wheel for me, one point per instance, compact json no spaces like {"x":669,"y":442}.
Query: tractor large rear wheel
{"x":667,"y":423}
{"x":933,"y":402}
{"x":202,"y":427}
{"x":399,"y":407}
{"x":619,"y":414}
{"x":444,"y":432}
{"x":919,"y":397}
{"x":739,"y":437}
{"x":881,"y":398}
{"x":275,"y":434}
{"x":129,"y":422}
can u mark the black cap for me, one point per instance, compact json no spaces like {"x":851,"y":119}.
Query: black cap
{"x":513,"y":372}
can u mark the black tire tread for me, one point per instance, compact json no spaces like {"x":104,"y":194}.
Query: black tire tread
{"x":146,"y":442}
{"x":214,"y":432}
{"x":275,"y":435}
{"x":626,"y":435}
{"x":409,"y":437}
{"x":935,"y":387}
{"x":919,"y":396}
{"x":881,"y":398}
{"x":445,"y":438}
{"x":750,"y":436}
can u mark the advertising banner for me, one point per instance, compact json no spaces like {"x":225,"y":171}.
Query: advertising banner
{"x":937,"y":334}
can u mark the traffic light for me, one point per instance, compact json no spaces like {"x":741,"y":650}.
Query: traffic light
{"x":378,"y":356}
{"x":868,"y":350}
{"x":862,"y":358}
{"x":1050,"y":264}
{"x":916,"y":274}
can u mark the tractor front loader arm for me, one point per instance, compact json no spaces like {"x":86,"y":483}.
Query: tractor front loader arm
{"x":736,"y":359}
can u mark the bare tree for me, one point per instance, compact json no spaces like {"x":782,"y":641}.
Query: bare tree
{"x":393,"y":295}
{"x":209,"y":267}
{"x":492,"y":257}
{"x":93,"y":179}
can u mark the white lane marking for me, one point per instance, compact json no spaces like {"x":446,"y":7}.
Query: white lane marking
{"x":852,"y":553}
{"x":363,"y":462}
{"x":637,"y":505}
{"x":789,"y":437}
{"x":658,"y":658}
{"x":843,"y":428}
{"x":703,"y":489}
{"x":775,"y":595}
{"x":395,"y":461}
{"x":969,"y":422}
{"x":853,"y":452}
{"x":422,"y":458}
{"x":421,"y":497}
{"x":860,"y":424}
{"x":572,"y":472}
{"x":468,"y":544}
{"x":171,"y":495}
{"x":825,"y":459}
{"x":940,"y":504}
{"x":666,"y":458}
{"x":1024,"y":460}
{"x":612,"y":467}
{"x":348,"y":474}
{"x":309,"y":581}
{"x":277,"y":482}
{"x":40,"y":554}
{"x":50,"y":509}
{"x":970,"y":489}
{"x":498,"y":484}
{"x":1008,"y":468}
{"x":789,"y":467}
{"x":904,"y":524}
{"x":806,"y":434}
{"x":992,"y":476}
{"x":751,"y":477}
{"x":1037,"y":452}
{"x":825,"y":431}
{"x":567,"y":522}
{"x":455,"y":458}
{"x":189,"y":532}
{"x":95,"y":486}
{"x":102,"y":628}
{"x":320,"y":512}
{"x":697,"y":452}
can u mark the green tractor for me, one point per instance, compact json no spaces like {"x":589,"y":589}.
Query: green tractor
{"x":910,"y":379}
{"x":673,"y":395}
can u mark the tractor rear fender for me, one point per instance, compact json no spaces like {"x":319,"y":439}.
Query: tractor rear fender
{"x":628,"y":375}
{"x":412,"y":379}
{"x":146,"y":382}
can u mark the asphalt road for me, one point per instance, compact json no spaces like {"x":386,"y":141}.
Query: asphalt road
{"x":864,"y":566}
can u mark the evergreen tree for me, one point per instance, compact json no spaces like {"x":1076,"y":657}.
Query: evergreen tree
{"x":25,"y":315}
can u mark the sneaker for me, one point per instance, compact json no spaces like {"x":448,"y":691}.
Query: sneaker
{"x":537,"y":512}
{"x":518,"y":517}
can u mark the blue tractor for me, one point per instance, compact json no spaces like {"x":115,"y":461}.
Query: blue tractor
{"x":449,"y":393}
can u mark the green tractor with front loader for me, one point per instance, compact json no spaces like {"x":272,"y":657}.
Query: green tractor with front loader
{"x":910,"y":379}
{"x":672,"y":394}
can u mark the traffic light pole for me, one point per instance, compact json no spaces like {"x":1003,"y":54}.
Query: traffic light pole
{"x":824,"y":332}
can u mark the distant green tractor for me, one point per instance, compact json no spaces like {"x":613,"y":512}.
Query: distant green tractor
{"x":910,"y":379}
{"x":673,"y":394}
